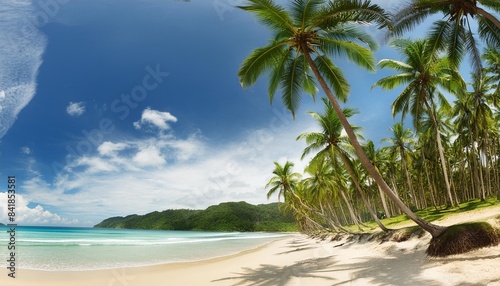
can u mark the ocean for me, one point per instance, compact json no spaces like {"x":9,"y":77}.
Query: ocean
{"x":78,"y":249}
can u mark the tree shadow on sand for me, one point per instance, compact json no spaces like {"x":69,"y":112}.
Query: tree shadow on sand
{"x":397,"y":267}
{"x":273,"y":275}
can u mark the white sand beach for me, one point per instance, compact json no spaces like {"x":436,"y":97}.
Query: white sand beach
{"x":299,"y":260}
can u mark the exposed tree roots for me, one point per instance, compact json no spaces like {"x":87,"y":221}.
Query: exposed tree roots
{"x":463,"y":238}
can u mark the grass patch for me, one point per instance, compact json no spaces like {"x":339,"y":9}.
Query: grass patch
{"x":463,"y":238}
{"x":432,"y":214}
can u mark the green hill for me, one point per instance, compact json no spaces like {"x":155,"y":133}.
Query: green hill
{"x":231,"y":216}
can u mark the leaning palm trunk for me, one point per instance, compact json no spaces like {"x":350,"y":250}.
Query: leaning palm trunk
{"x":363,"y":196}
{"x":433,"y":229}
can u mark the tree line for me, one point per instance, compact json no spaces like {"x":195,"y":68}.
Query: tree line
{"x":230,"y":216}
{"x":448,"y":155}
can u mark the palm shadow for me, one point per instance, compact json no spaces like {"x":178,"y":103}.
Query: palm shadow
{"x":398,"y":267}
{"x":274,"y":275}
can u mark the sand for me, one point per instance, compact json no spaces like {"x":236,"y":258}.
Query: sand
{"x":299,"y":260}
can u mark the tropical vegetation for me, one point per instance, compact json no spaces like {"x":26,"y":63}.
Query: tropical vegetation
{"x":230,"y":216}
{"x":448,"y":155}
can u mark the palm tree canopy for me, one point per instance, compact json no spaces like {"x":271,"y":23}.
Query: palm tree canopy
{"x":453,"y":34}
{"x":330,"y":140}
{"x":284,"y":180}
{"x":423,"y":74}
{"x":318,"y":27}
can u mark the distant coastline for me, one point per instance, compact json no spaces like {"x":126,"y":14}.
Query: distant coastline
{"x":229,"y":216}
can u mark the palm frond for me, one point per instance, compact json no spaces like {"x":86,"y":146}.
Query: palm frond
{"x":455,"y":44}
{"x":437,"y":39}
{"x":303,"y":11}
{"x":259,"y":61}
{"x":277,"y":72}
{"x":352,"y":11}
{"x":359,"y":55}
{"x":334,"y":76}
{"x":270,"y":14}
{"x":351,"y":33}
{"x":474,"y":54}
{"x":392,"y":81}
{"x":408,"y":17}
{"x":488,"y":32}
{"x":291,"y":83}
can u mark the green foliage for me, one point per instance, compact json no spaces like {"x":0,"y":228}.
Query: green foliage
{"x":232,"y":216}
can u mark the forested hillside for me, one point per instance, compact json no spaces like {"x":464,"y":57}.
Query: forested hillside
{"x":231,"y":216}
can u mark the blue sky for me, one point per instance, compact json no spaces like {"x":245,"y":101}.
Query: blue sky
{"x":115,"y":107}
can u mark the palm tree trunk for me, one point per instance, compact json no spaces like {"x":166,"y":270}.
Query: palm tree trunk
{"x":384,"y":203}
{"x":441,"y":152}
{"x":351,"y":210}
{"x":408,"y":180}
{"x":433,"y":229}
{"x":362,"y":193}
{"x":488,"y":16}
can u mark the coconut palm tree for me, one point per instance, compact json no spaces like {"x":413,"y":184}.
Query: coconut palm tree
{"x":331,"y":143}
{"x":491,"y":57}
{"x":305,"y":36}
{"x":454,"y":33}
{"x":401,"y":144}
{"x":422,"y":73}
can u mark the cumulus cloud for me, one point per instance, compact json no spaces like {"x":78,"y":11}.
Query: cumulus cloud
{"x":150,"y":156}
{"x":110,"y":149}
{"x":155,"y":118}
{"x":31,"y":216}
{"x":132,"y":175}
{"x":75,"y":108}
{"x":2,"y":94}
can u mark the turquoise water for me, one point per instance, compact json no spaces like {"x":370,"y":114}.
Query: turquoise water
{"x":62,"y":248}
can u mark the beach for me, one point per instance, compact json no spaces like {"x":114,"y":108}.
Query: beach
{"x":300,"y":260}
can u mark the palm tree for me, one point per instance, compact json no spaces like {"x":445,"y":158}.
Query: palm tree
{"x":474,"y":115}
{"x":305,"y":36}
{"x":284,"y":181}
{"x":331,"y":143}
{"x":401,"y":144}
{"x":491,"y":56}
{"x":454,"y":33}
{"x":423,"y":73}
{"x":379,"y":159}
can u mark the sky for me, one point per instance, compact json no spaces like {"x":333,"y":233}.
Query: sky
{"x":118,"y":107}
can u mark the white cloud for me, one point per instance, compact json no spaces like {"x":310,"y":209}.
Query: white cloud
{"x":75,"y":108}
{"x":30,"y":216}
{"x":2,"y":94}
{"x":110,"y":149}
{"x":132,"y":176}
{"x":22,"y":47}
{"x":25,"y":150}
{"x":156,"y":118}
{"x":150,"y":156}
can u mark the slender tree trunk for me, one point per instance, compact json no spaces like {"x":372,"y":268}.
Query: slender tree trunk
{"x":362,"y":193}
{"x":408,"y":179}
{"x":351,"y":211}
{"x":433,"y":229}
{"x":384,"y":202}
{"x":488,"y":16}
{"x":441,"y":152}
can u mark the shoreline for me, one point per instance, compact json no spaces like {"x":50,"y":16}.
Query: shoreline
{"x":300,"y":260}
{"x":297,"y":260}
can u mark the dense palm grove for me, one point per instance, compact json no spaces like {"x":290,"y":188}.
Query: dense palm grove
{"x":446,"y":154}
